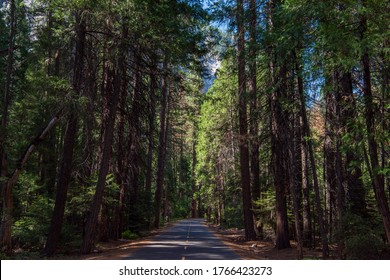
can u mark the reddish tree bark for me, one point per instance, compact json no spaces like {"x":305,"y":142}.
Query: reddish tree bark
{"x":379,"y":182}
{"x":109,"y":119}
{"x":250,"y":233}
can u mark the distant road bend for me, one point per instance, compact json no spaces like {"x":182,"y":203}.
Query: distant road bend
{"x":186,"y":240}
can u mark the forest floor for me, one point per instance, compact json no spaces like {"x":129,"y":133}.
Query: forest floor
{"x":259,"y":250}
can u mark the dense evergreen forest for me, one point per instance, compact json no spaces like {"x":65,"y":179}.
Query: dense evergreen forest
{"x":267,"y":115}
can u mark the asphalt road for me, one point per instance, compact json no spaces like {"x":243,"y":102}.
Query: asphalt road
{"x":186,"y":240}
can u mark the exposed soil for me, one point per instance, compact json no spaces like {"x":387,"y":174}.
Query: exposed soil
{"x":259,"y":250}
{"x":118,"y":249}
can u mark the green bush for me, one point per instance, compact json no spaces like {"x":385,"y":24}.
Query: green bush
{"x":30,"y":231}
{"x":232,"y":217}
{"x":364,"y":246}
{"x":360,"y":236}
{"x":71,"y":239}
{"x":127,"y":234}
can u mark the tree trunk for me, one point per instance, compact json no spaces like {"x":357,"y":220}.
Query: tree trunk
{"x":69,"y":142}
{"x":294,"y":160}
{"x":49,"y":157}
{"x":7,"y":91}
{"x":379,"y":188}
{"x":134,"y":136}
{"x":161,"y":148}
{"x":307,"y":233}
{"x":306,"y":213}
{"x":280,"y":157}
{"x":89,"y":123}
{"x":330,"y":158}
{"x":6,"y":222}
{"x":279,"y":148}
{"x":121,"y":146}
{"x":339,"y":166}
{"x":193,"y":183}
{"x":121,"y":159}
{"x":320,"y":213}
{"x":109,"y":119}
{"x":294,"y":197}
{"x":152,"y":117}
{"x":355,"y":199}
{"x":254,"y":114}
{"x":250,"y":233}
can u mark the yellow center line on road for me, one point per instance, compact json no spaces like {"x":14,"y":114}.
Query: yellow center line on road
{"x":188,"y":236}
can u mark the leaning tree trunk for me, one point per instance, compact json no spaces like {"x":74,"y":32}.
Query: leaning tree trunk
{"x":250,"y":233}
{"x":109,"y":119}
{"x":379,"y":190}
{"x":6,"y":222}
{"x":379,"y":182}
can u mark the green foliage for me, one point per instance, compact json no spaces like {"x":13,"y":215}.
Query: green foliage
{"x":180,"y":208}
{"x":233,"y":217}
{"x":264,"y":209}
{"x":71,"y":238}
{"x":361,"y":237}
{"x":80,"y":198}
{"x":30,"y":230}
{"x":128,"y":234}
{"x":363,"y":246}
{"x":216,"y":149}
